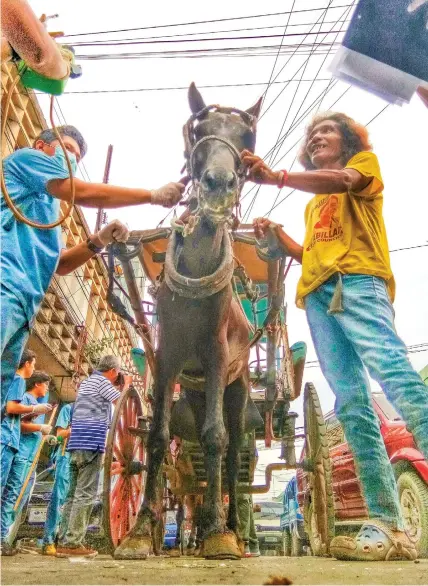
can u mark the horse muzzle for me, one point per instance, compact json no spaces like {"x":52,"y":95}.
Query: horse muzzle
{"x":218,"y":193}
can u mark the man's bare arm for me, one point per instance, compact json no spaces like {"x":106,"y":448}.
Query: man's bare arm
{"x":319,"y":181}
{"x":27,"y":35}
{"x":96,"y":195}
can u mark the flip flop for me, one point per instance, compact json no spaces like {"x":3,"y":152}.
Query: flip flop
{"x":375,"y":541}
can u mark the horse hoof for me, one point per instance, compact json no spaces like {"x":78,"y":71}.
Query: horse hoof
{"x":133,"y":548}
{"x":191,"y":550}
{"x":222,"y":546}
{"x":174,"y":552}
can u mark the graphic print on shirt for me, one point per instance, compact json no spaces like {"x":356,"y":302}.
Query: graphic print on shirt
{"x":328,"y":227}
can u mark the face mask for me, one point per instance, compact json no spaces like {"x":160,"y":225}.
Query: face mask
{"x":73,"y":161}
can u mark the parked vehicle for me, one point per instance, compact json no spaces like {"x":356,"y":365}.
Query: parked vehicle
{"x":170,"y":530}
{"x":267,"y":521}
{"x":410,"y":467}
{"x":291,"y":522}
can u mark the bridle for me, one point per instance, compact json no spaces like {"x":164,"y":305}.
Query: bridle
{"x":191,"y":145}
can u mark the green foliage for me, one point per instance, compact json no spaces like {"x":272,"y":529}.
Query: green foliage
{"x":94,"y":349}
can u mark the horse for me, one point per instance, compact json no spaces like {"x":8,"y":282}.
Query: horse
{"x":203,"y":331}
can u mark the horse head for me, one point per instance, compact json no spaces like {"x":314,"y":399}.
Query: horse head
{"x":214,"y":139}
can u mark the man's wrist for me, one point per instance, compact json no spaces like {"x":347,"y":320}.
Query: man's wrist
{"x":94,"y":244}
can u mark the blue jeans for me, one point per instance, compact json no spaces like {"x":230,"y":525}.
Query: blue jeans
{"x":345,"y":343}
{"x":17,"y":475}
{"x":14,"y":334}
{"x":58,"y":497}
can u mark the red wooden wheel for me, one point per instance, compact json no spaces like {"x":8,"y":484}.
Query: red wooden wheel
{"x":124,"y":478}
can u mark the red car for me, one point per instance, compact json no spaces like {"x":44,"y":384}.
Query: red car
{"x":410,"y":467}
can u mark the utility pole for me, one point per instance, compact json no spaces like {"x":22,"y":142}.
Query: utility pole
{"x":101,"y":215}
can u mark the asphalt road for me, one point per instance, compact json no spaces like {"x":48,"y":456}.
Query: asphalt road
{"x":37,"y":569}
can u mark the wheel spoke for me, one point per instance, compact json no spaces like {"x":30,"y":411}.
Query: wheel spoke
{"x":117,"y":453}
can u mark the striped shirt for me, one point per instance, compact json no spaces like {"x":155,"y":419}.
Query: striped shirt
{"x":92,"y":414}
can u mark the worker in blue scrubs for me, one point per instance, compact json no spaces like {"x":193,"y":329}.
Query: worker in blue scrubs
{"x":37,"y":180}
{"x":61,"y":483}
{"x":33,"y":429}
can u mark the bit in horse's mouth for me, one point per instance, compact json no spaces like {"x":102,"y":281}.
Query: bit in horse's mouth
{"x":218,"y":216}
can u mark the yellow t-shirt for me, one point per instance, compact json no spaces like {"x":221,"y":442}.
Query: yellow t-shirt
{"x":345,"y":233}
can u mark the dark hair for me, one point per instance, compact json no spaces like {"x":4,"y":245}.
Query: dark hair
{"x":37,"y":377}
{"x":49,"y":136}
{"x":27,"y":356}
{"x":355,"y":137}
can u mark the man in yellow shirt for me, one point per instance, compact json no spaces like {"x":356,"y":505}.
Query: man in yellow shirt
{"x":347,"y":289}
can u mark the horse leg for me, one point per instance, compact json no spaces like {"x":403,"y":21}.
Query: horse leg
{"x":179,"y":519}
{"x":235,"y":400}
{"x":190,"y":506}
{"x":218,"y":544}
{"x":197,"y":526}
{"x":138,"y":543}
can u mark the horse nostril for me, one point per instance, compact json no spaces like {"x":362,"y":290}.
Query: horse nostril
{"x":210,"y":180}
{"x":231,"y":181}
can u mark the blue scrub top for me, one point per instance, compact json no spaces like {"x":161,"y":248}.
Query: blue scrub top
{"x":30,"y":256}
{"x":64,"y":417}
{"x":30,"y":441}
{"x":11,"y":424}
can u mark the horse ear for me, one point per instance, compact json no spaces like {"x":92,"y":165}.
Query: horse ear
{"x":196,"y":101}
{"x":255,"y":110}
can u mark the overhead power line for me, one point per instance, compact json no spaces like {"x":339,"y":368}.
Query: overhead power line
{"x":198,"y":40}
{"x":158,"y":26}
{"x":303,"y":66}
{"x":199,"y":33}
{"x":186,"y":87}
{"x":250,"y":51}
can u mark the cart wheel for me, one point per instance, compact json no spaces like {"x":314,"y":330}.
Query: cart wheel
{"x":320,"y":482}
{"x":124,"y":479}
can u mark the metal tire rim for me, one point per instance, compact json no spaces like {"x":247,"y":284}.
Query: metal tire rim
{"x":411,"y":514}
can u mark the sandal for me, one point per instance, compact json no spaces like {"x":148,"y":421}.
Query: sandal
{"x":375,"y":541}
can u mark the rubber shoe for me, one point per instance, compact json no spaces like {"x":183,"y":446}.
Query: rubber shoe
{"x":49,"y":549}
{"x":81,"y":551}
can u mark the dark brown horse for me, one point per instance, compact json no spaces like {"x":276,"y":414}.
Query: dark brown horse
{"x":202,"y":328}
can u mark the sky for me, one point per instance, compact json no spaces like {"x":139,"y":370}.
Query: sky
{"x":145,"y":127}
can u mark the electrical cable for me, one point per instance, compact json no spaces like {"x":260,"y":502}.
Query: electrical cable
{"x":250,"y":51}
{"x":236,"y":30}
{"x":184,"y":87}
{"x":196,"y":22}
{"x":198,"y":40}
{"x":314,"y":45}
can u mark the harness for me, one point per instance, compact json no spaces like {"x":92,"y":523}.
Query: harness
{"x":191,"y":145}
